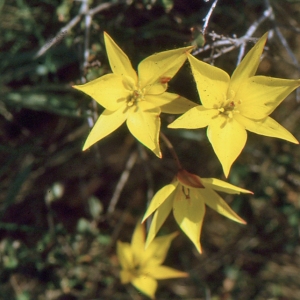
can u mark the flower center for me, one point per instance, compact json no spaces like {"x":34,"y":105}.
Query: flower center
{"x":135,"y":271}
{"x":136,"y":96}
{"x":229,"y":107}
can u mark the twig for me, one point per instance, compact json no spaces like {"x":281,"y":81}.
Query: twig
{"x":149,"y":179}
{"x":86,"y":51}
{"x":172,"y":150}
{"x":122,"y":181}
{"x":207,"y":17}
{"x":54,"y":40}
{"x":102,"y":6}
{"x":117,"y":229}
{"x":64,"y":30}
{"x":230,"y":44}
{"x":284,"y":43}
{"x":148,"y":174}
{"x":224,"y":41}
{"x":266,"y":14}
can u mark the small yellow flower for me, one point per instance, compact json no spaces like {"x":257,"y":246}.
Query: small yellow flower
{"x":187,"y":196}
{"x":136,"y":99}
{"x":143,"y":267}
{"x":233,"y":105}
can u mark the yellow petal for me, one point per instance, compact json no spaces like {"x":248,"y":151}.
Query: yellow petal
{"x":158,"y":219}
{"x":144,"y":125}
{"x":155,"y":89}
{"x":159,"y":198}
{"x":108,"y":90}
{"x":161,"y":67}
{"x":267,"y":127}
{"x":107,"y":123}
{"x":126,"y":276}
{"x":228,"y":139}
{"x":157,"y":251}
{"x":125,"y":256}
{"x":145,"y":284}
{"x":212,"y":82}
{"x":118,"y":60}
{"x":171,"y":103}
{"x":138,"y":243}
{"x":222,"y":186}
{"x":248,"y":66}
{"x":196,"y":117}
{"x":163,"y":272}
{"x":214,"y":201}
{"x":260,"y":95}
{"x":189,"y":212}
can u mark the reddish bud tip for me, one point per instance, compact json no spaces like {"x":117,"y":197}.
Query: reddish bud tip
{"x":189,"y":179}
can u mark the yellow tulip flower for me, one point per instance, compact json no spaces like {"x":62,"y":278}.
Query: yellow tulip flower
{"x":187,"y":196}
{"x":136,"y":99}
{"x":230,"y":106}
{"x":142,"y":267}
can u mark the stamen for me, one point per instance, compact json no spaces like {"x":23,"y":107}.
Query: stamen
{"x":186,"y":193}
{"x":135,"y":97}
{"x":130,"y":103}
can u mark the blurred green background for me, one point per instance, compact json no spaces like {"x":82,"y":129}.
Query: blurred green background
{"x":57,"y":237}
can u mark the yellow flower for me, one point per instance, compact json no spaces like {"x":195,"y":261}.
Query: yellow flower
{"x":187,"y":196}
{"x":233,"y":105}
{"x":143,"y":267}
{"x":136,"y":99}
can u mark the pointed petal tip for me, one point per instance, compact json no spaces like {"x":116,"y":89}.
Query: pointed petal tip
{"x":106,"y":35}
{"x":174,"y":126}
{"x":157,"y":152}
{"x":176,"y":233}
{"x":226,"y":170}
{"x":144,"y":219}
{"x":189,"y":50}
{"x":86,"y":145}
{"x":245,"y":192}
{"x":240,"y":220}
{"x":185,"y":274}
{"x":199,"y":248}
{"x":159,"y":155}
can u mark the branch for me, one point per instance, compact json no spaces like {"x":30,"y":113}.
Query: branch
{"x":207,"y":17}
{"x":64,"y":30}
{"x":228,"y":44}
{"x":122,"y":181}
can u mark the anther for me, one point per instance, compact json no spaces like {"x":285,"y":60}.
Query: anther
{"x":186,"y":194}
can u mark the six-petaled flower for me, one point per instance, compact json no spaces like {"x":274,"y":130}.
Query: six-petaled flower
{"x":135,"y":98}
{"x":143,"y":267}
{"x":230,"y":106}
{"x":187,"y":196}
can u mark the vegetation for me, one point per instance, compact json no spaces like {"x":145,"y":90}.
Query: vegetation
{"x":62,"y":210}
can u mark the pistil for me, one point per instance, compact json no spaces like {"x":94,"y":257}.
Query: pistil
{"x":135,"y":97}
